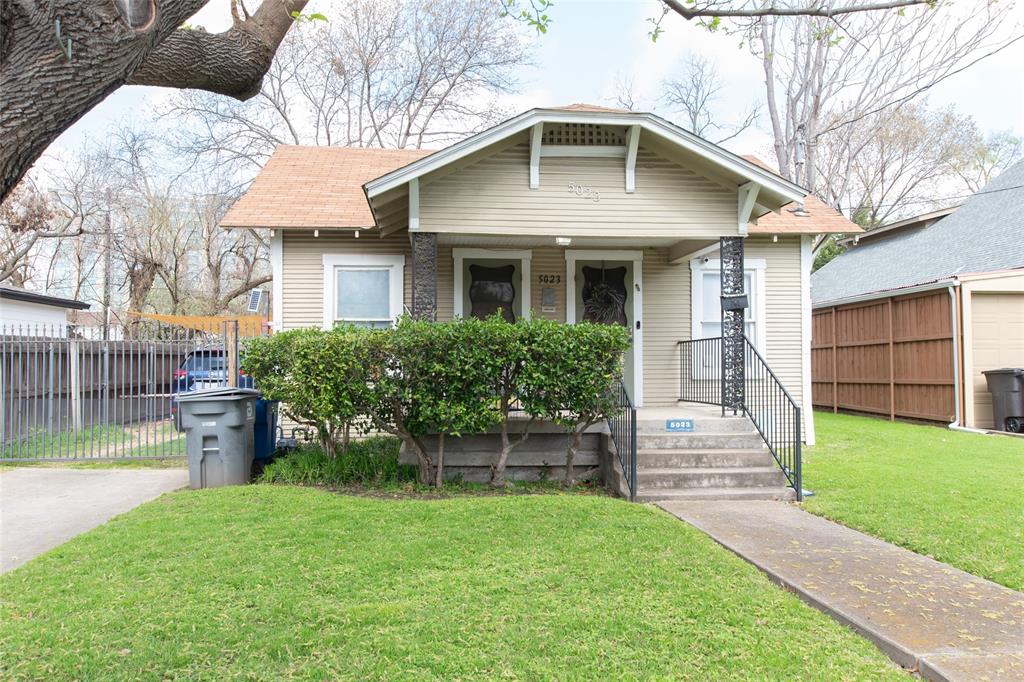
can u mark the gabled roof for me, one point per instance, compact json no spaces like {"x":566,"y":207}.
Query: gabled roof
{"x":889,"y":229}
{"x":316,"y":187}
{"x":726,"y":162}
{"x":983,"y":235}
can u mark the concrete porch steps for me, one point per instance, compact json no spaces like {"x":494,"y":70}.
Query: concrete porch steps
{"x":712,"y":477}
{"x":722,"y":458}
{"x":698,"y":494}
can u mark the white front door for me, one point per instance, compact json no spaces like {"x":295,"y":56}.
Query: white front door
{"x":605,"y":286}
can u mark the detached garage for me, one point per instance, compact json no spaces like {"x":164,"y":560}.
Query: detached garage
{"x":908,"y":318}
{"x":994,"y":305}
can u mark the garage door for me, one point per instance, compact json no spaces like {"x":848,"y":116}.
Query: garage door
{"x":998,"y":331}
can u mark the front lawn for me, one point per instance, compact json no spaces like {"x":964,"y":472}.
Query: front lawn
{"x":958,"y":497}
{"x":276,"y":582}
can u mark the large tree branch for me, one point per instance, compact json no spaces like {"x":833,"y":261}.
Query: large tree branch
{"x":231,"y":63}
{"x":46,"y":87}
{"x":813,"y":9}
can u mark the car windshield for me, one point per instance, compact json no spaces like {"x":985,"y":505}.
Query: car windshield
{"x":206,"y":363}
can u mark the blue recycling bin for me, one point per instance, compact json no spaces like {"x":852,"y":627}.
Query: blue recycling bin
{"x":265,"y":430}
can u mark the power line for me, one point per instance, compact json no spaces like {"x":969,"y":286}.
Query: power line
{"x":931,"y":201}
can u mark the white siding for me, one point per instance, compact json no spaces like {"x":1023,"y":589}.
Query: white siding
{"x":492,"y":196}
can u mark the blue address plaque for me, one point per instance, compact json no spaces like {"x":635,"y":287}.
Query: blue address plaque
{"x":679,"y":425}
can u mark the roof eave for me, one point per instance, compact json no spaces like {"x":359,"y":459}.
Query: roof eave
{"x":943,"y":283}
{"x":655,"y":124}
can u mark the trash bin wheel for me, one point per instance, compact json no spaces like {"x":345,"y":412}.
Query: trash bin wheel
{"x":1015,"y":425}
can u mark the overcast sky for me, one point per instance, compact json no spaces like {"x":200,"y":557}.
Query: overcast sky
{"x":590,"y":42}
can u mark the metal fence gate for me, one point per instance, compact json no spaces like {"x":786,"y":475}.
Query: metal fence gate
{"x":80,"y":393}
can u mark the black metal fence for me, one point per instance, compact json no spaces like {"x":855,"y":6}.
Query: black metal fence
{"x":767,"y":403}
{"x":622,"y":424}
{"x":69,"y":392}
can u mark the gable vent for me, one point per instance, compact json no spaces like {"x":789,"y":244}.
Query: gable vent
{"x":584,"y":134}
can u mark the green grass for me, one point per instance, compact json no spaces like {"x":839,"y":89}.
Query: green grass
{"x":369,"y":462}
{"x":281,"y":582}
{"x":146,"y":439}
{"x":958,"y":497}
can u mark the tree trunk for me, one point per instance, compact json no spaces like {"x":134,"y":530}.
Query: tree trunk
{"x":507,"y":446}
{"x":570,"y":456}
{"x":439,"y":467}
{"x":113,"y":43}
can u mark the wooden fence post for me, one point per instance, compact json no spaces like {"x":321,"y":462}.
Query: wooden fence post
{"x":231,"y":348}
{"x":892,"y":365}
{"x":835,"y":379}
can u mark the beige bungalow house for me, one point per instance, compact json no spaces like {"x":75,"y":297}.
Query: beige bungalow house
{"x":570,"y":213}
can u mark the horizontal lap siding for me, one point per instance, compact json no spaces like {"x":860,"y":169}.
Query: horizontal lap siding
{"x":492,"y":196}
{"x":666,"y":321}
{"x":783,"y":324}
{"x":302,"y":256}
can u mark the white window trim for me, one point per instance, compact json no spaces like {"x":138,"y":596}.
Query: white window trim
{"x":523,"y":257}
{"x":331,"y":261}
{"x":806,"y":261}
{"x":277,"y":283}
{"x":757,"y":266}
{"x":637,"y":258}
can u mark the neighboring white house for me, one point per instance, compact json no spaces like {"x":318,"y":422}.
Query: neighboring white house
{"x":29,"y":313}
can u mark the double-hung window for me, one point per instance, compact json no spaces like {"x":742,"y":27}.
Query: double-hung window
{"x":362,"y":289}
{"x":706,"y":309}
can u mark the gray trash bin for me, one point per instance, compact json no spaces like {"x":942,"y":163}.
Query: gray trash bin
{"x":1007,"y":389}
{"x":218,"y":426}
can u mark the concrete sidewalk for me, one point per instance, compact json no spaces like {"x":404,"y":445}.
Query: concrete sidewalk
{"x":928,"y":616}
{"x":42,"y":507}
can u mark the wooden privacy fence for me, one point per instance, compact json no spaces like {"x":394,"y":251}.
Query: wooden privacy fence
{"x":891,"y":356}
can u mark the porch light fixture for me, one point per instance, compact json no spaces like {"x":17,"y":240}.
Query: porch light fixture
{"x":563,"y":241}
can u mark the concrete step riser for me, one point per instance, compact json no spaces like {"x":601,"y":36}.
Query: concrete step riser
{"x":699,"y":441}
{"x":683,"y":459}
{"x":710,"y":495}
{"x":694,"y":478}
{"x":700,"y":425}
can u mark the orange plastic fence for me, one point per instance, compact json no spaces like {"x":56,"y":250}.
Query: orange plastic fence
{"x":248,"y":325}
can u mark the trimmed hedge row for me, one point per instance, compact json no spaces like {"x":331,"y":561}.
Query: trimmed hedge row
{"x":449,"y":378}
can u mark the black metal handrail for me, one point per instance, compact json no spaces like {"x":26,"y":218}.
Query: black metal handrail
{"x":699,"y":371}
{"x":775,"y":415}
{"x":622,"y":425}
{"x":767,"y":403}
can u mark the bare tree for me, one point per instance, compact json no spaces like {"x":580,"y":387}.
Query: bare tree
{"x":624,"y":92}
{"x":30,"y":217}
{"x":390,"y":73}
{"x":693,"y":92}
{"x":979,"y":163}
{"x":823,"y":73}
{"x":896,"y":163}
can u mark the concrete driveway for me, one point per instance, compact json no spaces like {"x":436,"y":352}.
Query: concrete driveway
{"x":41,"y":508}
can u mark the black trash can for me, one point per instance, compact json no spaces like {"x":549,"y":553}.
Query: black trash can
{"x":1007,"y":388}
{"x":218,"y":425}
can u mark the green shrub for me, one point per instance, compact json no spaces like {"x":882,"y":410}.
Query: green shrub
{"x":369,"y":462}
{"x":319,"y":376}
{"x":449,"y":378}
{"x":571,"y":375}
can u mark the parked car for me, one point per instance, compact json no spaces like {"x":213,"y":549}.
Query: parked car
{"x":202,"y":369}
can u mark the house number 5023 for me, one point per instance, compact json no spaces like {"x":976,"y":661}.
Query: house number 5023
{"x":585,"y":192}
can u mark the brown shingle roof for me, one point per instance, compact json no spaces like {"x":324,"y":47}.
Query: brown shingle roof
{"x":820,"y":218}
{"x":592,"y":108}
{"x":316,"y":187}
